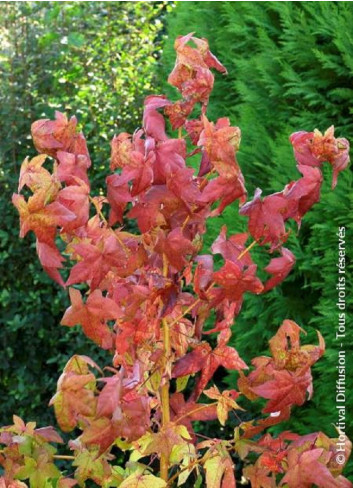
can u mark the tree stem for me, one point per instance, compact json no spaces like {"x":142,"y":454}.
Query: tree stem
{"x":244,"y":252}
{"x":64,"y":457}
{"x":56,"y":457}
{"x":164,"y":390}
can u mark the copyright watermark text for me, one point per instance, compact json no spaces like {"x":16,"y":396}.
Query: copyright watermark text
{"x":340,"y":338}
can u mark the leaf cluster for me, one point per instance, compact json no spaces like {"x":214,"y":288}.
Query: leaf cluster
{"x":149,"y":297}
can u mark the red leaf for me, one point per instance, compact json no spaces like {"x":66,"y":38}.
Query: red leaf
{"x":194,"y":128}
{"x":175,"y":246}
{"x":235,"y":280}
{"x":192,"y":76}
{"x":152,"y":208}
{"x":118,"y":196}
{"x":231,"y":248}
{"x":49,"y":434}
{"x":178,"y":112}
{"x":121,"y":149}
{"x":199,"y":87}
{"x":203,"y":274}
{"x":279,"y":268}
{"x":259,"y":476}
{"x":51,"y":260}
{"x":284,"y":390}
{"x":286,"y":339}
{"x":7,"y":482}
{"x":183,"y":184}
{"x":35,"y":177}
{"x":40,"y":218}
{"x":340,"y":160}
{"x":192,"y":362}
{"x":99,"y":432}
{"x":121,"y":411}
{"x":191,"y":61}
{"x":303,"y":194}
{"x":92,"y":315}
{"x":169,"y":158}
{"x":153,"y":121}
{"x":110,"y":397}
{"x":221,"y":141}
{"x":76,"y":199}
{"x":286,"y":379}
{"x":207,"y":360}
{"x":60,"y":134}
{"x":266,"y":218}
{"x":301,"y":142}
{"x":186,"y":412}
{"x":313,"y":148}
{"x":307,"y":469}
{"x":252,"y":428}
{"x":97,"y":261}
{"x":72,"y":167}
{"x":75,"y":395}
{"x":286,"y":350}
{"x":226,"y":190}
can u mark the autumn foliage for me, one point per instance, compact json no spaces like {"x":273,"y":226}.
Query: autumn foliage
{"x":160,"y":306}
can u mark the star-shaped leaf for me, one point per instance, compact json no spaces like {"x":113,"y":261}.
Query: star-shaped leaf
{"x":225,"y":402}
{"x":235,"y":280}
{"x":92,"y":316}
{"x":97,"y":260}
{"x":279,"y":268}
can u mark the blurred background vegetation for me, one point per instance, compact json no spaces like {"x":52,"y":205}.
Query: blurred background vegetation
{"x":290,"y":68}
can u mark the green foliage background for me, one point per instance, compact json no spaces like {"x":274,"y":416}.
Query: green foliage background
{"x":92,"y":59}
{"x":290,"y":68}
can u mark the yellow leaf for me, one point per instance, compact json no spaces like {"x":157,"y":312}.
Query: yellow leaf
{"x":220,"y":468}
{"x":214,"y":471}
{"x":222,"y":411}
{"x":147,"y":481}
{"x":122,"y":444}
{"x":188,"y":455}
{"x":153,"y":381}
{"x":183,"y":432}
{"x":182,"y":382}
